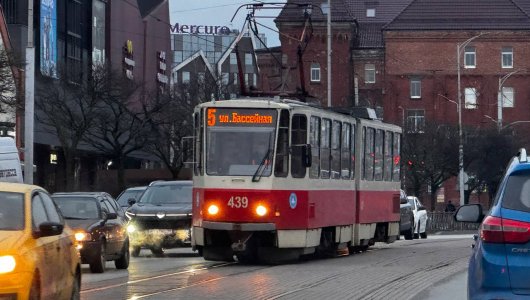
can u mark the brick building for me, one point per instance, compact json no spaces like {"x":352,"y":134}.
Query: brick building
{"x":421,"y":65}
{"x":357,"y":49}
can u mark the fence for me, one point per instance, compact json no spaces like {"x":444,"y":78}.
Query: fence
{"x":444,"y":221}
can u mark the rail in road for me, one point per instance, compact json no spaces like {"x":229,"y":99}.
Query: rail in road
{"x":400,"y":270}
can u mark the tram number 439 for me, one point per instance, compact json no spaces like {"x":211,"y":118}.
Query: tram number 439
{"x":238,"y":202}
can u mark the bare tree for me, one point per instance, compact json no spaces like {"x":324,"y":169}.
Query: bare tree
{"x":8,"y":96}
{"x":488,"y":151}
{"x":174,"y":121}
{"x":123,"y":122}
{"x":430,"y":157}
{"x":68,"y":111}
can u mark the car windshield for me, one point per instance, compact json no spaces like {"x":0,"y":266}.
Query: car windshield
{"x":167,"y":194}
{"x":11,"y":211}
{"x":517,"y":192}
{"x":78,"y":207}
{"x":123,"y":199}
{"x":240,"y":141}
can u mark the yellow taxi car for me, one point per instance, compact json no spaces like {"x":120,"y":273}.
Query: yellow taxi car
{"x":38,"y":258}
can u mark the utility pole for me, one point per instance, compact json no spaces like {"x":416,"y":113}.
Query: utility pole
{"x":29,"y":105}
{"x":329,"y":53}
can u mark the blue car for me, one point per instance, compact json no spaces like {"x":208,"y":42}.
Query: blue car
{"x":499,"y":267}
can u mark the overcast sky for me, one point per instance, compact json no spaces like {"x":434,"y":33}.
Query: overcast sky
{"x":219,"y":12}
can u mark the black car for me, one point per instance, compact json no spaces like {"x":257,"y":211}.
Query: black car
{"x":100,"y":228}
{"x":128,"y":194}
{"x":406,"y":221}
{"x":161,"y":218}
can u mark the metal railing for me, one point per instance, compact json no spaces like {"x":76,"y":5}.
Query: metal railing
{"x":444,"y":221}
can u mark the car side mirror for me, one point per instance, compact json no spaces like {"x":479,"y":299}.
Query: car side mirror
{"x":469,"y":213}
{"x":131,"y":201}
{"x":50,"y":229}
{"x":307,"y":156}
{"x":403,"y":201}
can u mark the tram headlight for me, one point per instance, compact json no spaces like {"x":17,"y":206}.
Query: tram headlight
{"x":213,"y":209}
{"x":131,"y":228}
{"x":261,"y":210}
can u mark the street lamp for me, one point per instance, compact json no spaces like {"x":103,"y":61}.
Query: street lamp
{"x":459,"y":48}
{"x":500,"y":95}
{"x":507,"y":125}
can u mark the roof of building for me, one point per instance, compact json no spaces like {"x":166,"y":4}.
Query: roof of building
{"x":340,"y":11}
{"x":461,"y":15}
{"x":370,"y":28}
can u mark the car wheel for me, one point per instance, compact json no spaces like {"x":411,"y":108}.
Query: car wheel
{"x":76,"y":288}
{"x":34,"y":292}
{"x":136,"y":251}
{"x":157,"y":251}
{"x":122,"y":263}
{"x":98,"y":264}
{"x":409,"y":234}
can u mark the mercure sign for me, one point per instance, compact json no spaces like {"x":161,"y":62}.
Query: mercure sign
{"x":200,"y":29}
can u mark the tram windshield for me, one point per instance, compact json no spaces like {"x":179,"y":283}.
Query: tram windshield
{"x":240,"y":142}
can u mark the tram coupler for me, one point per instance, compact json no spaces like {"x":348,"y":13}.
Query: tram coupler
{"x":241,"y":244}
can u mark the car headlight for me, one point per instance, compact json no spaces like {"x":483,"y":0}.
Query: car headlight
{"x":7,"y":264}
{"x":82,"y":236}
{"x":131,"y":228}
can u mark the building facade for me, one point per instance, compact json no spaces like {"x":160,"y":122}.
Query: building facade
{"x":212,"y":54}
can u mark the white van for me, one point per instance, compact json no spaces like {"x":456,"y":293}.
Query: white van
{"x":10,"y":168}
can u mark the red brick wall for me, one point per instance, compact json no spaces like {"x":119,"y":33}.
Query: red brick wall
{"x":433,"y":57}
{"x":316,"y":52}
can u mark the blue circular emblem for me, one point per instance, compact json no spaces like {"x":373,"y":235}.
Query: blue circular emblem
{"x":292,"y":200}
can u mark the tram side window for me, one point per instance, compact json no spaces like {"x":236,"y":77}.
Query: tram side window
{"x":314,"y":140}
{"x":345,"y":152}
{"x":335,"y":150}
{"x":197,"y":166}
{"x":388,"y":156}
{"x":325,"y":148}
{"x":352,"y":149}
{"x":281,"y":165}
{"x":298,"y":139}
{"x":368,"y":170}
{"x":378,"y":162}
{"x":397,"y":157}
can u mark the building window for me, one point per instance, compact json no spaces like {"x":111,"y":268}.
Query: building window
{"x":470,"y":59}
{"x":185,"y":77}
{"x":369,"y":73}
{"x":471,"y":98}
{"x":370,"y":12}
{"x":507,"y":57}
{"x":315,"y":72}
{"x":233,"y":58}
{"x":415,"y":120}
{"x":507,"y":97}
{"x":246,"y":79}
{"x":248,"y":59}
{"x":255,"y":79}
{"x":236,"y":78}
{"x":224,"y":78}
{"x":415,"y":88}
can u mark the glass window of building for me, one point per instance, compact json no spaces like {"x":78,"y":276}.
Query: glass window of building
{"x":185,"y":77}
{"x":415,"y":120}
{"x":315,"y":72}
{"x":470,"y":98}
{"x":507,"y":57}
{"x":369,"y":73}
{"x":415,"y":88}
{"x":255,"y":79}
{"x":507,"y":95}
{"x":248,"y":59}
{"x":470,"y":57}
{"x":246,"y":79}
{"x":233,"y":58}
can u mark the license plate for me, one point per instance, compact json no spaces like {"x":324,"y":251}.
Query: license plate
{"x":160,"y":231}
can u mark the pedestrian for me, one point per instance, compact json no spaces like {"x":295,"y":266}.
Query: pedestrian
{"x":450,"y":207}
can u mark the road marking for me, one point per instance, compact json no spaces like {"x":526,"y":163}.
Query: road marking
{"x":153,"y":277}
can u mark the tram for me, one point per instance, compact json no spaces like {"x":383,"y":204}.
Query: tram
{"x":276,"y":179}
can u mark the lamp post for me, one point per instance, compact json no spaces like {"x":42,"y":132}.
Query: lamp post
{"x":500,"y":96}
{"x":29,"y":100}
{"x":459,"y":48}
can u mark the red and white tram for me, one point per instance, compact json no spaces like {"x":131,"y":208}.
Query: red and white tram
{"x":276,"y":179}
